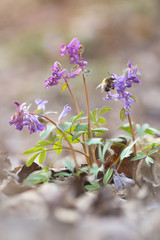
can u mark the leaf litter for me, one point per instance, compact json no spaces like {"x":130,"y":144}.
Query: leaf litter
{"x":63,"y":209}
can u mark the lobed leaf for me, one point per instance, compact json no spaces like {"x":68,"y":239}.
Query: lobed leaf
{"x":38,"y":177}
{"x":104,"y":110}
{"x":70,"y":165}
{"x":149,"y":160}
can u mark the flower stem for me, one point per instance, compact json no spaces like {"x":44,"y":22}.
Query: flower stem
{"x":78,"y":112}
{"x":88,"y":114}
{"x":134,"y":146}
{"x":66,"y":139}
{"x":75,"y":102}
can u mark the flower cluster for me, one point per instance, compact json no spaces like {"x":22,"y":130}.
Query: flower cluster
{"x":24,"y":118}
{"x":121,"y":83}
{"x":74,"y":49}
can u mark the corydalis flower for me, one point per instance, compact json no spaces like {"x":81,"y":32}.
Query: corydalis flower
{"x":59,"y":73}
{"x":56,"y":75}
{"x":121,"y":83}
{"x":64,"y":112}
{"x":74,"y":49}
{"x":23,"y":118}
{"x":41,"y":104}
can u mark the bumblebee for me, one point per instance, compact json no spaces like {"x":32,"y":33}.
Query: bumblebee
{"x":107,"y":84}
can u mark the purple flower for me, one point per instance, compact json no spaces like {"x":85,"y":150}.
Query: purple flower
{"x":41,"y":103}
{"x":121,"y":83}
{"x":57,"y":74}
{"x":74,"y":51}
{"x":64,"y":112}
{"x":23,"y":118}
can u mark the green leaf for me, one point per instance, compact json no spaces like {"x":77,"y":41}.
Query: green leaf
{"x":65,"y":174}
{"x":94,"y":170}
{"x":82,"y":170}
{"x":139,"y":156}
{"x":122,"y":114}
{"x":44,"y":143}
{"x":100,"y":154}
{"x":152,"y":131}
{"x":51,"y":138}
{"x":31,"y":160}
{"x":46,"y":132}
{"x":141,"y":130}
{"x":107,"y":176}
{"x":63,"y":87}
{"x":59,"y":150}
{"x":74,"y":141}
{"x":104,"y":110}
{"x":77,"y":135}
{"x":126,"y":128}
{"x":149,"y":160}
{"x":81,"y":127}
{"x":75,"y":118}
{"x":38,"y":177}
{"x":127,"y":151}
{"x":106,"y":146}
{"x":65,"y":126}
{"x":93,"y":141}
{"x":93,"y":115}
{"x":69,"y":165}
{"x":93,"y":186}
{"x":152,"y":152}
{"x":99,"y":130}
{"x":42,"y":157}
{"x":33,"y":150}
{"x":101,"y":120}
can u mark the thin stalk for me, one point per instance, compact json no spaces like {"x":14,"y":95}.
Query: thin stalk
{"x":88,"y":115}
{"x":78,"y":112}
{"x":134,"y":146}
{"x":73,"y":97}
{"x":66,"y":139}
{"x":63,"y":147}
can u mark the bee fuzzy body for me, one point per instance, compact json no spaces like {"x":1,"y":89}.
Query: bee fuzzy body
{"x":107,"y":84}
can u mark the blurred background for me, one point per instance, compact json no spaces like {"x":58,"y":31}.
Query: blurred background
{"x":112,"y":32}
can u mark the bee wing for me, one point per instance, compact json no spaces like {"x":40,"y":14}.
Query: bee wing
{"x":99,"y":85}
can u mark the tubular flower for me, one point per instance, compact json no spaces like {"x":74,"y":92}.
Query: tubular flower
{"x":56,"y":75}
{"x":121,"y":83}
{"x":23,"y":118}
{"x":41,"y":103}
{"x":74,"y":49}
{"x":59,"y":73}
{"x":64,"y":112}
